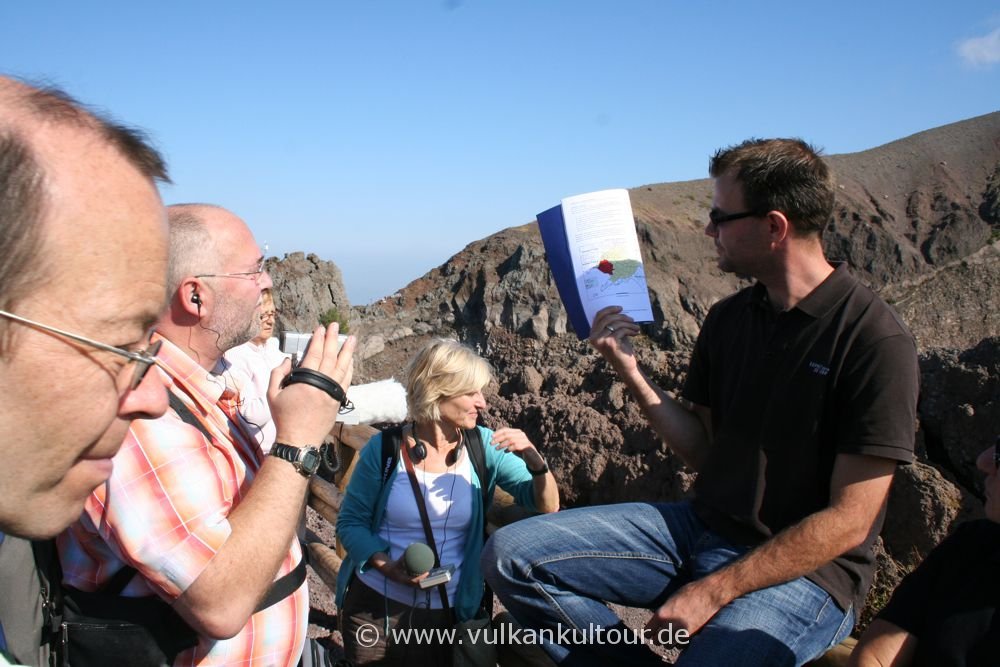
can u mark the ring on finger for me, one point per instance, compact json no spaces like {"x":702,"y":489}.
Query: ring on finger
{"x":610,"y":328}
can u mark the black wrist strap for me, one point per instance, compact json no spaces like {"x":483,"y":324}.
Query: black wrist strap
{"x":542,"y":471}
{"x":424,"y":519}
{"x":319,"y":380}
{"x":285,"y":452}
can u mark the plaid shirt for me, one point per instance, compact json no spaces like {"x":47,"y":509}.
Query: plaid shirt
{"x":164,"y":512}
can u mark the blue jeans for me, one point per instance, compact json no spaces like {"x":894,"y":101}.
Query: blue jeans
{"x":555,"y":571}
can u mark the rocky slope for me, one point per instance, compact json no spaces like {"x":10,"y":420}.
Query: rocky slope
{"x":918,"y":219}
{"x":305,"y":288}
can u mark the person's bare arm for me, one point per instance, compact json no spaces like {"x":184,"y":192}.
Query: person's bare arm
{"x":858,"y":490}
{"x":884,"y":644}
{"x":221,"y":600}
{"x":683,"y":427}
{"x":546,"y":491}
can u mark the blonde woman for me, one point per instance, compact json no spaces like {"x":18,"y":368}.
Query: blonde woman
{"x":248,"y":367}
{"x":380,"y":516}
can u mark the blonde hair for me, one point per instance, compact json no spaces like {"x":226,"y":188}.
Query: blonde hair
{"x":267,"y":300}
{"x":443,"y":369}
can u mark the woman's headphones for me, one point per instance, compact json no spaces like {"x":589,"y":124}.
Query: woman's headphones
{"x":418,"y":452}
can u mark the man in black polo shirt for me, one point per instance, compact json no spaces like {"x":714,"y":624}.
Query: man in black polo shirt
{"x":799,"y":403}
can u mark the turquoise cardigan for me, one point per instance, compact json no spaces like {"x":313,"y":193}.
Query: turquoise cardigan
{"x":364,"y":507}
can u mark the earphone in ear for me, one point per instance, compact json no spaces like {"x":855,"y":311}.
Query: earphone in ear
{"x":196,"y":299}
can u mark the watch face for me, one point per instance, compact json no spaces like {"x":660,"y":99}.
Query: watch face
{"x":309,"y":461}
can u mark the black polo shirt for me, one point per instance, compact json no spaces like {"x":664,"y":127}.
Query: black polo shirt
{"x":788,"y":392}
{"x":950,"y":602}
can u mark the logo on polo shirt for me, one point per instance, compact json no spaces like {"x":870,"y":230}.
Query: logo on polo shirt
{"x":818,"y":368}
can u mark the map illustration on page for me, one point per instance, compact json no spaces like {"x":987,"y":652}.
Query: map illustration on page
{"x":593,"y":251}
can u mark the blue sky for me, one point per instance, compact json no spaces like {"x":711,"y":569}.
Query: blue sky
{"x":385,"y":135}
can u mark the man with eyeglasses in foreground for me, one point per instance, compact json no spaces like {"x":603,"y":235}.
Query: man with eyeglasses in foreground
{"x":800,"y":400}
{"x":82,"y":279}
{"x":209,"y":523}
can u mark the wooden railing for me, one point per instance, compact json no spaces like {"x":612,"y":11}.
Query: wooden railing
{"x":326,"y":497}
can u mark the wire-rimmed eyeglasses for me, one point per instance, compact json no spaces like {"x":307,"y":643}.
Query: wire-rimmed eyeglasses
{"x":143,"y":358}
{"x":255,"y":275}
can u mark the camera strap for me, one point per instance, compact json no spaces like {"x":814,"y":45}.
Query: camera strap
{"x":424,"y":519}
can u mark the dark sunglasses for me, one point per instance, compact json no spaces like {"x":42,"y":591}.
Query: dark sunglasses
{"x":718,"y":217}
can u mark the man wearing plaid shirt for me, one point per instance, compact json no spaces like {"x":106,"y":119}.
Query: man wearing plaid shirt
{"x":210,"y":523}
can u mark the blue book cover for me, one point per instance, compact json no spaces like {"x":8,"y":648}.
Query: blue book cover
{"x":594,"y":254}
{"x":553,"y":231}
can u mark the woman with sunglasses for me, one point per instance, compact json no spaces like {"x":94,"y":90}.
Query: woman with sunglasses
{"x":947,"y":611}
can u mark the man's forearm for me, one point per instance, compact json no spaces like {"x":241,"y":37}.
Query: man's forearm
{"x":860,"y":485}
{"x":792,"y":553}
{"x":223,"y":597}
{"x":679,"y":428}
{"x":264,"y":523}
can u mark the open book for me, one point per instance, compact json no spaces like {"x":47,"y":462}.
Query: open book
{"x":593,"y":251}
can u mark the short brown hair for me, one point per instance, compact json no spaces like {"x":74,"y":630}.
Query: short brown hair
{"x":21,"y":204}
{"x":786,"y":175}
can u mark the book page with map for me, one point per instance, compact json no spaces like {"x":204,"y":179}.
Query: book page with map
{"x":593,"y":250}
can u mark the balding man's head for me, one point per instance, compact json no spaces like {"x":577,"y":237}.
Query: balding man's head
{"x":26,"y":113}
{"x":27,"y":105}
{"x":216,"y":281}
{"x":84,"y":235}
{"x":192,"y":249}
